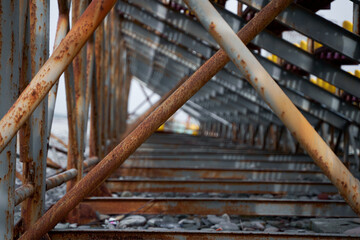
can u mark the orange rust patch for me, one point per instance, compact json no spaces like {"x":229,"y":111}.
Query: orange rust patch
{"x":282,"y":114}
{"x":243,"y":63}
{"x":262,"y":90}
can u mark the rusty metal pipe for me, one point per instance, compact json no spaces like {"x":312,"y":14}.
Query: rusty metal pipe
{"x":120,"y":153}
{"x":23,"y":192}
{"x":91,"y":162}
{"x":282,"y":106}
{"x":60,"y":178}
{"x":47,"y":76}
{"x":61,"y":31}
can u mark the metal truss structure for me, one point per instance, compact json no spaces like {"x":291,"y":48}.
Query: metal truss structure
{"x":251,"y":109}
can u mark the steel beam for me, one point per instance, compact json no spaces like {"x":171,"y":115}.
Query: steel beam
{"x":61,"y":234}
{"x":220,"y":186}
{"x":217,"y":206}
{"x":9,"y":80}
{"x":33,"y":137}
{"x":335,"y":37}
{"x":219,"y":173}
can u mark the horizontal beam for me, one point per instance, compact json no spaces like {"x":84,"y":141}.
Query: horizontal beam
{"x":206,"y":173}
{"x":61,"y":234}
{"x":218,"y":206}
{"x":220,"y":186}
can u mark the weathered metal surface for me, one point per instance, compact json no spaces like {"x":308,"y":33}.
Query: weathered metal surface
{"x":52,"y":69}
{"x":23,"y":192}
{"x":115,"y":158}
{"x":61,"y":30}
{"x":10,"y":23}
{"x":60,"y":178}
{"x":91,"y":162}
{"x":300,"y":128}
{"x":218,"y":206}
{"x":222,"y":186}
{"x":225,"y":164}
{"x":218,"y":173}
{"x":80,"y":86}
{"x":34,"y":141}
{"x":184,"y":235}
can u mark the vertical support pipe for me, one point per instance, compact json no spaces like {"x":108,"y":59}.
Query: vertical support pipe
{"x":106,"y":83}
{"x":99,"y":62}
{"x":282,"y":106}
{"x":79,"y":66}
{"x":346,"y":160}
{"x":354,"y":146}
{"x":119,"y":154}
{"x":356,"y":18}
{"x":61,"y":31}
{"x":9,"y":65}
{"x":34,"y":140}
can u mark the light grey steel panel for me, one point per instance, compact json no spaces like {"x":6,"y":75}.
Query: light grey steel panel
{"x":316,"y":28}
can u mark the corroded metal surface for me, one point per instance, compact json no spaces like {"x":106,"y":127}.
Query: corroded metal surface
{"x":222,"y":186}
{"x":240,"y":149}
{"x":114,"y":159}
{"x":23,"y":192}
{"x":52,"y":69}
{"x":182,"y":235}
{"x":10,"y":22}
{"x":218,"y":206}
{"x":33,"y":141}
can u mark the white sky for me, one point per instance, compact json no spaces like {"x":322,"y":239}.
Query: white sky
{"x":340,"y":10}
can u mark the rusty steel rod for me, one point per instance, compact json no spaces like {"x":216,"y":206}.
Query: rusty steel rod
{"x":49,"y":73}
{"x":26,"y":190}
{"x":60,"y":178}
{"x":23,"y":192}
{"x":91,"y":162}
{"x":61,"y":31}
{"x":282,"y":106}
{"x":121,"y":152}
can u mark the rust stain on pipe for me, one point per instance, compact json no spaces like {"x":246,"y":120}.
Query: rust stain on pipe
{"x":117,"y":156}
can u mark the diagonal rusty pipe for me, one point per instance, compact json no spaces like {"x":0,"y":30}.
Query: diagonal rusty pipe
{"x":120,"y":153}
{"x":49,"y":73}
{"x":282,"y":106}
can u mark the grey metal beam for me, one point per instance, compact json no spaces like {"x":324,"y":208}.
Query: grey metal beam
{"x":335,"y":37}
